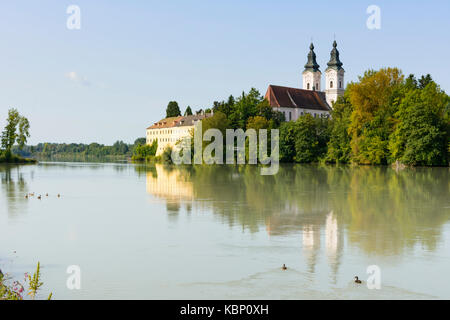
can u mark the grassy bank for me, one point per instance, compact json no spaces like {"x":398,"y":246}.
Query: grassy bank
{"x":6,"y":157}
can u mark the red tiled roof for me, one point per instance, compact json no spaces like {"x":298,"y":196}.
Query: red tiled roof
{"x":178,"y":121}
{"x":286,"y":97}
{"x":166,"y":123}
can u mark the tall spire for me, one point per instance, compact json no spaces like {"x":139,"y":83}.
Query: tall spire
{"x":334,"y":62}
{"x":311,"y":65}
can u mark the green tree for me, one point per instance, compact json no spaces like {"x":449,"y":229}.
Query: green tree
{"x":217,"y":121}
{"x":225,"y":107}
{"x":16,"y":131}
{"x":266,"y":111}
{"x":140,"y":141}
{"x":258,"y":122}
{"x":339,"y":150}
{"x":188,"y":111}
{"x":424,"y":81}
{"x":420,"y":136}
{"x":173,"y":110}
{"x":311,"y":138}
{"x":374,"y":99}
{"x":144,"y":152}
{"x":246,"y":106}
{"x":287,"y":141}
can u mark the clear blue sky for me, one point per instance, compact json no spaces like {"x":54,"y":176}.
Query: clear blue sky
{"x":115,"y":76}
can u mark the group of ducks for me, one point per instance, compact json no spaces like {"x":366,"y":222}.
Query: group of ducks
{"x":39,"y":196}
{"x":356,"y":279}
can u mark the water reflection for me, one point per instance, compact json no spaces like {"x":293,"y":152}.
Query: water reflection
{"x":14,"y":186}
{"x":377,"y":209}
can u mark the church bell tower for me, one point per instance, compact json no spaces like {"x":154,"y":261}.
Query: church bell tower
{"x":334,"y":76}
{"x":312,"y":75}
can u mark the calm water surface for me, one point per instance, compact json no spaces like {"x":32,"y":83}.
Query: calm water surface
{"x":224,"y":232}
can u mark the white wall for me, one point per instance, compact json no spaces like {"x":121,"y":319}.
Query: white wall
{"x":292,"y":114}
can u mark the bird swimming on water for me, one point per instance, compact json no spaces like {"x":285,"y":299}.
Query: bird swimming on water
{"x":357,"y":280}
{"x":284,"y":267}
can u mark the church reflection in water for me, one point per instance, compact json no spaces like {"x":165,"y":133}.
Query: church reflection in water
{"x":312,"y":240}
{"x":324,"y":206}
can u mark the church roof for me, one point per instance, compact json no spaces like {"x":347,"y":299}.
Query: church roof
{"x":286,"y":97}
{"x":334,"y":62}
{"x":312,"y":64}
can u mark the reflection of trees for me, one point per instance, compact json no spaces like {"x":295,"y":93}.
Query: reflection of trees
{"x":14,"y":187}
{"x":387,"y":211}
{"x":381,"y":210}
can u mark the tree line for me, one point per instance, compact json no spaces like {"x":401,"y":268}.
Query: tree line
{"x":383,"y":118}
{"x":80,"y":152}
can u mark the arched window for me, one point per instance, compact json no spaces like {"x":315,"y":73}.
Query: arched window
{"x":307,"y":86}
{"x":317,"y":86}
{"x":331,"y":84}
{"x":340,"y":84}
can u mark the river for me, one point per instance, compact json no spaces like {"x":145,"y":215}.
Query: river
{"x":223,"y":232}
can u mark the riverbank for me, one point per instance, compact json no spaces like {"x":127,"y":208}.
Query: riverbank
{"x":14,"y":159}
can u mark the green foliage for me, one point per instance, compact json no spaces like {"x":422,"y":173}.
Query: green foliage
{"x":246,"y":106}
{"x":173,"y":110}
{"x":258,"y":123}
{"x":288,"y":133}
{"x":225,"y":107}
{"x":15,"y":290}
{"x":188,"y":111}
{"x":145,"y":152}
{"x":166,"y":156}
{"x":80,"y":152}
{"x":304,"y":140}
{"x":35,"y":282}
{"x":8,"y":156}
{"x":374,"y":99}
{"x":140,"y":141}
{"x":384,"y":118}
{"x":217,"y":121}
{"x":420,"y":136}
{"x":311,"y":138}
{"x":16,"y":131}
{"x":339,"y":150}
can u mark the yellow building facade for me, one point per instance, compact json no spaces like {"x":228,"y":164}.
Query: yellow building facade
{"x":169,"y":131}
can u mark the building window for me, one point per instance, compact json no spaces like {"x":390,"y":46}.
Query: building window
{"x":307,"y":86}
{"x":331,"y":84}
{"x":290,"y":116}
{"x":317,"y":86}
{"x":340,"y":84}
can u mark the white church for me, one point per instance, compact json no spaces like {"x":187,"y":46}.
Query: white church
{"x":294,"y":102}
